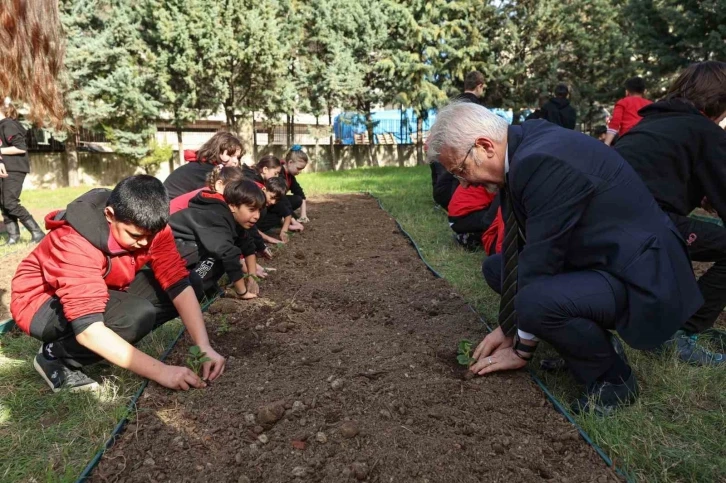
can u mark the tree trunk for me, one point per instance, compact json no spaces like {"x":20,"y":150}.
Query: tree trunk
{"x":372,"y":154}
{"x":180,"y":144}
{"x":419,"y":141}
{"x":72,"y":158}
{"x":254,"y":137}
{"x":333,"y":161}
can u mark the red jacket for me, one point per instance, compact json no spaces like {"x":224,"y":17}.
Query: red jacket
{"x":79,"y":262}
{"x":190,"y":156}
{"x":181,"y":202}
{"x":625,"y":114}
{"x":493,"y":237}
{"x":470,"y":199}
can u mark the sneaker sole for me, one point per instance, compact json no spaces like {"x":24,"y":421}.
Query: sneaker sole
{"x":88,"y":387}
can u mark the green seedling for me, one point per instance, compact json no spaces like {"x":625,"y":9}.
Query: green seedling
{"x":196,"y":358}
{"x":463,"y":352}
{"x":252,"y":276}
{"x":223,"y":327}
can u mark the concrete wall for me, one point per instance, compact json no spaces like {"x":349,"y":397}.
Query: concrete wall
{"x":49,"y":170}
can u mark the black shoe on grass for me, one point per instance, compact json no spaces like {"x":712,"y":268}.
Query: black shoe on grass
{"x":60,"y":377}
{"x":688,"y":350}
{"x":604,"y":398}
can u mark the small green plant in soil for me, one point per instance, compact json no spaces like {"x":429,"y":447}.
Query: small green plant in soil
{"x":463,"y":353}
{"x":196,"y":358}
{"x":223,"y":326}
{"x":252,"y":276}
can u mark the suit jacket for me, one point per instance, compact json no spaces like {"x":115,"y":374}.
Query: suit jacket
{"x":583,"y":207}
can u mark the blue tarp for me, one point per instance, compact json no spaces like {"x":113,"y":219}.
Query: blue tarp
{"x":393,"y":121}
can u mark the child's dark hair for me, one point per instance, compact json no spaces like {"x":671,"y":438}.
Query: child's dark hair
{"x":225,"y":174}
{"x":269,"y":161}
{"x":473,"y":80}
{"x":276,"y":186}
{"x":561,"y":90}
{"x":221,"y":142}
{"x":703,"y":85}
{"x":636,"y":85}
{"x":296,"y":154}
{"x":140,"y":200}
{"x":599,"y":130}
{"x":244,"y":192}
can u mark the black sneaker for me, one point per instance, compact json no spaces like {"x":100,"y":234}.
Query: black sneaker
{"x":468,"y":241}
{"x":688,"y":350}
{"x":59,"y":376}
{"x":604,"y":398}
{"x":553,"y":364}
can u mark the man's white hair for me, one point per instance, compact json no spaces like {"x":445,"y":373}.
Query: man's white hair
{"x":459,"y":124}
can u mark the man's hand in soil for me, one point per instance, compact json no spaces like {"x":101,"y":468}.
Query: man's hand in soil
{"x":179,"y":378}
{"x":492,"y":343}
{"x":502,"y":360}
{"x":211,"y":370}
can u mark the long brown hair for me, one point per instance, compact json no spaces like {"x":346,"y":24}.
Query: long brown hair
{"x":704,"y":86}
{"x":221,"y":142}
{"x":8,"y":110}
{"x":32,"y":58}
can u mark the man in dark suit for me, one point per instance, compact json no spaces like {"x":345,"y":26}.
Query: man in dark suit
{"x":586,"y":250}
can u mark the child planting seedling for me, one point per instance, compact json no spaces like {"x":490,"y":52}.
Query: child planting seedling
{"x":464,"y":353}
{"x":196,"y":359}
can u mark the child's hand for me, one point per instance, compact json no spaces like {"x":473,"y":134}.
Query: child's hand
{"x":303,"y":219}
{"x":214,"y":368}
{"x":261,"y":272}
{"x":252,"y":286}
{"x":266,"y":253}
{"x":295,"y":226}
{"x":284,"y":237}
{"x":179,"y":378}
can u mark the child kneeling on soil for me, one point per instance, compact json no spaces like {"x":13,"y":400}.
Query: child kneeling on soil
{"x":83,"y":292}
{"x":266,"y":175}
{"x":212,"y":234}
{"x":295,"y":161}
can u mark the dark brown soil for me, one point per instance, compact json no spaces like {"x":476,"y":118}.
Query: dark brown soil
{"x":345,"y":371}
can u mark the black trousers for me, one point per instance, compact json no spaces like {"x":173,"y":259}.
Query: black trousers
{"x":571,"y":311}
{"x":10,"y":189}
{"x":144,"y":307}
{"x":706,"y":243}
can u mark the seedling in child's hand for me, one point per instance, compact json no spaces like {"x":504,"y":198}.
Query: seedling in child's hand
{"x":252,"y":276}
{"x":196,"y":359}
{"x":464,"y":353}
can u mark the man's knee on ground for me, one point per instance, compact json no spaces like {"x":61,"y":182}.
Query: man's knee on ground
{"x":491,"y":268}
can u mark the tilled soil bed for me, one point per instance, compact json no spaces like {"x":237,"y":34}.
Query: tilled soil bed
{"x":346,"y":371}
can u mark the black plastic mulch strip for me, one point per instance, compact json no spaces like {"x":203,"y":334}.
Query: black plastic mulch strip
{"x":561,"y":408}
{"x":116,"y":433}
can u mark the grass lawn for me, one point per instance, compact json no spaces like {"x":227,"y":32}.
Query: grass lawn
{"x":673,"y":433}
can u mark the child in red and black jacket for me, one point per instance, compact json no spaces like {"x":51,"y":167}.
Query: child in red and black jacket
{"x":472,"y":212}
{"x":266,"y":173}
{"x":211,"y":235}
{"x":295,"y":161}
{"x":83,"y":292}
{"x":222,"y":149}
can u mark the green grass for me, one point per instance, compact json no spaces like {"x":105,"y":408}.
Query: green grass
{"x":673,"y":433}
{"x":675,"y":430}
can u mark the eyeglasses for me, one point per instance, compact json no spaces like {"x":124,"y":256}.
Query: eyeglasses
{"x":459,"y":170}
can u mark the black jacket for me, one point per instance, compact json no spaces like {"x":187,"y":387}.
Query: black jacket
{"x":680,"y":154}
{"x":192,"y":176}
{"x":292,"y":183}
{"x":559,"y":111}
{"x":12,"y":133}
{"x":444,"y":184}
{"x":469,"y":97}
{"x":210,"y":225}
{"x":582,"y":207}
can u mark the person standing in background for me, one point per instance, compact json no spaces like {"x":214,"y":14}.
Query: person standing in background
{"x":625,"y":114}
{"x":558,"y":109}
{"x":14,"y":167}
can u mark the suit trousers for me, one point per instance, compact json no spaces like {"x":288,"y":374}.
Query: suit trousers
{"x":571,"y":311}
{"x":144,"y":307}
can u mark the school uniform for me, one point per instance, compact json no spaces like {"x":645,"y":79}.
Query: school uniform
{"x":444,"y":184}
{"x":680,"y":154}
{"x":210,"y":240}
{"x":625,"y":114}
{"x":79,"y":275}
{"x":285,"y":206}
{"x":192,"y":176}
{"x":12,"y":134}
